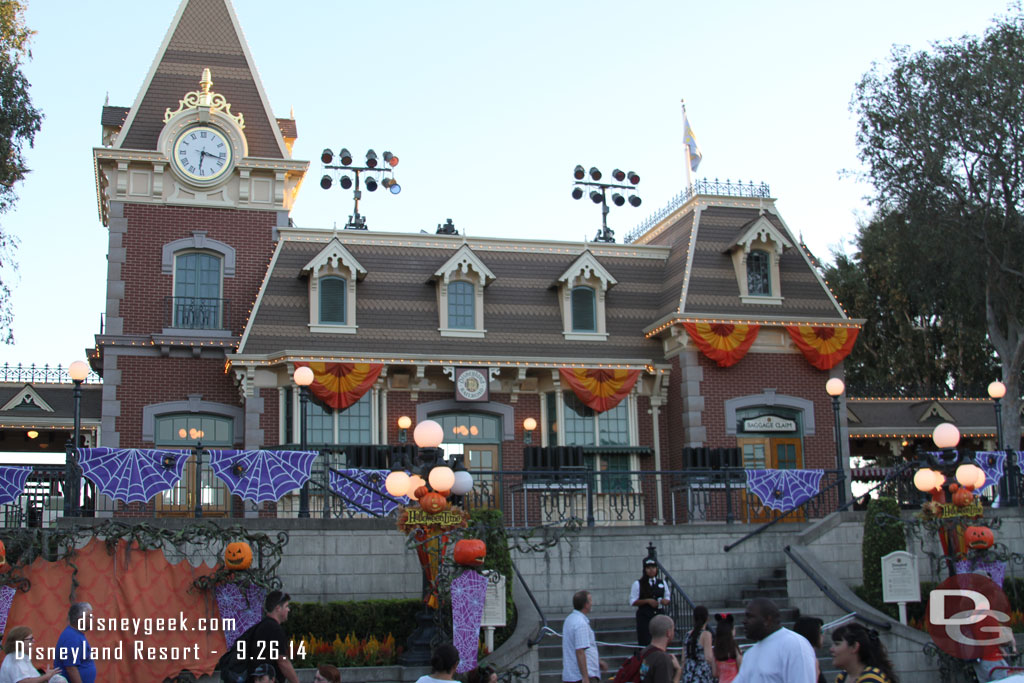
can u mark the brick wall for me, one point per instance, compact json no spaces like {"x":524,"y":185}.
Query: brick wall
{"x":144,"y":306}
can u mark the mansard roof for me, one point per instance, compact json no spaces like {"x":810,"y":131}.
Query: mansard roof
{"x":877,"y":417}
{"x":396,"y":303}
{"x":204,"y":34}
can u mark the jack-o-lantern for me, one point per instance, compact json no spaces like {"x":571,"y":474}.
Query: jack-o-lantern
{"x":979,"y":537}
{"x":470,"y":552}
{"x":3,"y":554}
{"x":963,"y":497}
{"x":432,"y":502}
{"x":238,"y":556}
{"x":420,"y":492}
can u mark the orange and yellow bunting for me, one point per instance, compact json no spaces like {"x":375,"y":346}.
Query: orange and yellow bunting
{"x":724,"y":343}
{"x":600,"y":389}
{"x":823,"y":347}
{"x":339,"y":385}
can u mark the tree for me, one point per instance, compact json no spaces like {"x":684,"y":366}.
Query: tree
{"x":924,"y":331}
{"x":19,"y":123}
{"x":941,"y":133}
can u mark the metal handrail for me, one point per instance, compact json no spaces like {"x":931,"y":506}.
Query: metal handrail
{"x":543,"y":619}
{"x":836,"y":599}
{"x":841,"y":480}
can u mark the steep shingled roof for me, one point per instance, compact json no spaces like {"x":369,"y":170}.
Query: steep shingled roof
{"x":204,"y":36}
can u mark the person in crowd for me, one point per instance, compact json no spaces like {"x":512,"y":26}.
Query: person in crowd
{"x":858,"y":651}
{"x":17,"y":666}
{"x":649,"y":595}
{"x":262,"y":673}
{"x":327,"y":674}
{"x":659,"y":666}
{"x":697,"y":649}
{"x":778,"y":654}
{"x":580,"y":661}
{"x":443,"y":662}
{"x":810,"y":628}
{"x":72,"y":640}
{"x":268,"y":638}
{"x":727,"y":658}
{"x":482,"y":674}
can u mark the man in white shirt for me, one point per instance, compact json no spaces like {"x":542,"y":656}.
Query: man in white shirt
{"x":778,"y":655}
{"x":580,"y":663}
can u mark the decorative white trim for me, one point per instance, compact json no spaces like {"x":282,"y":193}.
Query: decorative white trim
{"x":334,"y":260}
{"x":587,"y":268}
{"x":32,"y":395}
{"x":765,"y":300}
{"x":337,"y":257}
{"x":765,"y":232}
{"x":585,"y":336}
{"x":472,"y":334}
{"x":199,"y":242}
{"x":935,"y":410}
{"x":461,"y":262}
{"x":333,"y":329}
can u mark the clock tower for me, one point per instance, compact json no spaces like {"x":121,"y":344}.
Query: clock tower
{"x":193,"y":181}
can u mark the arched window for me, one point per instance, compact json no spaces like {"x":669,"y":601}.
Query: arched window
{"x":197,"y":302}
{"x":332,"y":300}
{"x":584,"y":310}
{"x":461,"y":315}
{"x":759,"y":281}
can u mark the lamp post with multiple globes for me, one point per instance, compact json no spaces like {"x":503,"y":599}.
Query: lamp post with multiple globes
{"x":429,"y":469}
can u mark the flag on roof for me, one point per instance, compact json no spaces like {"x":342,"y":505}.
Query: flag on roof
{"x":690,"y":141}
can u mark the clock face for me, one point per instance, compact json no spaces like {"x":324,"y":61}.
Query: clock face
{"x":471,"y":385}
{"x":202,"y":154}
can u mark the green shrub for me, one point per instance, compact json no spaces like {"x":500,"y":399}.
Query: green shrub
{"x":364,"y":619}
{"x":883,"y":534}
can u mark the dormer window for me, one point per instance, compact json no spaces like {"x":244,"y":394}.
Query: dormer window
{"x":332,"y":300}
{"x":755,"y":258}
{"x":759,"y":280}
{"x":582,"y":290}
{"x":460,"y":294}
{"x":333,"y":277}
{"x":584,"y":309}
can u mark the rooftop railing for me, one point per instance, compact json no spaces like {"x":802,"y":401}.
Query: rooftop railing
{"x":41,"y":374}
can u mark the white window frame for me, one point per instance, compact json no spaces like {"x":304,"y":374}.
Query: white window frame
{"x":585,"y":271}
{"x":762,"y":235}
{"x":463,"y":266}
{"x":334,"y":261}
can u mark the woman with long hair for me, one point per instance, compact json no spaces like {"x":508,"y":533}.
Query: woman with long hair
{"x":858,"y":651}
{"x":726,"y":664}
{"x":698,"y":649}
{"x":17,"y":666}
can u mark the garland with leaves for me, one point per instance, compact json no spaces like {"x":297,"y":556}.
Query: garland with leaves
{"x":200,"y":541}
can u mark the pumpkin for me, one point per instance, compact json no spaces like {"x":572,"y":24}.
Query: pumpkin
{"x":979,"y":537}
{"x":420,"y":492}
{"x":238,"y":556}
{"x":963,"y":497}
{"x":432,"y":502}
{"x":470,"y":552}
{"x":3,"y":554}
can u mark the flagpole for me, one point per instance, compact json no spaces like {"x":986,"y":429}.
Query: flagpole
{"x":686,"y":149}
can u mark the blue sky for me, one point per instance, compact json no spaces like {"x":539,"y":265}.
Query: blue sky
{"x":489,"y":107}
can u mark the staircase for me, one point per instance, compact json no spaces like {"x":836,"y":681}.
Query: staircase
{"x":621,"y":628}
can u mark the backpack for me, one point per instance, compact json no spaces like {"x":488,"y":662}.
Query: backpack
{"x":233,"y":667}
{"x":629,"y":672}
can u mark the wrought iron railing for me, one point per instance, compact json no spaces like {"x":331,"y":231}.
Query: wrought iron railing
{"x":196,"y":313}
{"x":680,"y":606}
{"x":704,"y":186}
{"x":41,"y":374}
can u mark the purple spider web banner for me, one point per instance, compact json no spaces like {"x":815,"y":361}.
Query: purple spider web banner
{"x":260,"y":475}
{"x":132,"y":475}
{"x":784,"y":490}
{"x":12,"y":482}
{"x":373,"y":501}
{"x":469,"y":592}
{"x":246,"y":610}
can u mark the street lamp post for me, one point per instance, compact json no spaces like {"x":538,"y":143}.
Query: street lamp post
{"x":529,"y":424}
{"x":78,"y":371}
{"x":303,"y":377}
{"x":835,"y":388}
{"x":1008,"y":484}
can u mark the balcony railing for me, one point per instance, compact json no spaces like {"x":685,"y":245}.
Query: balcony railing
{"x":196,"y":313}
{"x":705,"y":186}
{"x":41,"y":374}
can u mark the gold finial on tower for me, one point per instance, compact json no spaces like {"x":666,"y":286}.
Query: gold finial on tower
{"x":205,"y":97}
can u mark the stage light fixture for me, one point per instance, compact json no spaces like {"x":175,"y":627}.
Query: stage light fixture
{"x":596,"y":197}
{"x":326,"y":156}
{"x":634,"y":201}
{"x":578,"y":172}
{"x":326,"y":182}
{"x":618,"y":175}
{"x":390,"y":159}
{"x":371,"y":184}
{"x":345,"y":157}
{"x":345,"y":182}
{"x":371,"y":159}
{"x":594,"y":173}
{"x":391,"y":185}
{"x":633,"y":177}
{"x":577,"y":192}
{"x":618,"y":199}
